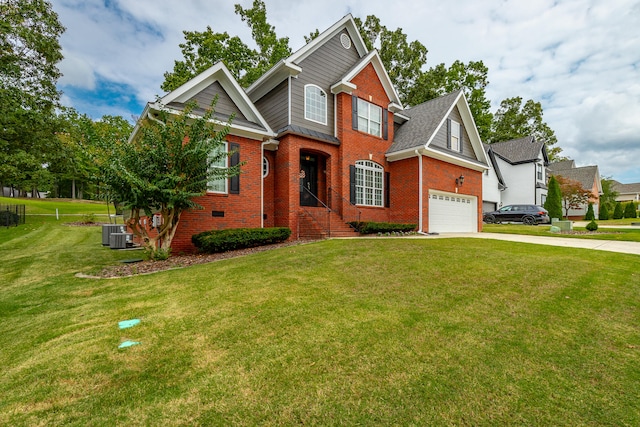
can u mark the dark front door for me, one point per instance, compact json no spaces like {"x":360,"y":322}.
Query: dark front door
{"x":308,"y":180}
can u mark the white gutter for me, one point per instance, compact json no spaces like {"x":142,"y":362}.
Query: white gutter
{"x":262,"y":183}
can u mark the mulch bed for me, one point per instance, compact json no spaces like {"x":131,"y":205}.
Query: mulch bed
{"x":175,"y":261}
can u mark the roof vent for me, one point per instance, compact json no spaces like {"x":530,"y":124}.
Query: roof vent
{"x":345,"y":41}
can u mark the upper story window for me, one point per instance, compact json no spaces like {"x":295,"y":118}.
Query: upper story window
{"x":315,"y":104}
{"x":455,"y":136}
{"x":369,"y":183}
{"x":369,"y":118}
{"x":220,"y":161}
{"x":539,"y":171}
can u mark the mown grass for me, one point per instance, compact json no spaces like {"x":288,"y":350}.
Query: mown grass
{"x":340,"y":332}
{"x":619,"y":234}
{"x":64,"y":206}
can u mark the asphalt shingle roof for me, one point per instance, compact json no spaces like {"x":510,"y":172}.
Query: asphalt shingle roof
{"x":626,"y":188}
{"x":562,"y":165}
{"x":585,"y":175}
{"x":521,"y":150}
{"x":423,"y":123}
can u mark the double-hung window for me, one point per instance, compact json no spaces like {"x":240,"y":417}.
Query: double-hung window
{"x":369,"y":183}
{"x":315,"y":104}
{"x":369,"y":118}
{"x":219,"y":161}
{"x":456,"y":132}
{"x":539,"y":171}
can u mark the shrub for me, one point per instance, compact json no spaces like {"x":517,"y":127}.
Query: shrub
{"x":590,"y":216}
{"x":553,"y":204}
{"x":630,"y":210}
{"x":367,"y":227}
{"x":603,"y":212}
{"x":89,"y":218}
{"x":592,"y":226}
{"x":617,"y":212}
{"x":238,"y":238}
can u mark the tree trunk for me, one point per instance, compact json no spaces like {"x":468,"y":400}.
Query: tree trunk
{"x":73,"y":188}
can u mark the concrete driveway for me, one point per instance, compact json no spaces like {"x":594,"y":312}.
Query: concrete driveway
{"x":600,"y":245}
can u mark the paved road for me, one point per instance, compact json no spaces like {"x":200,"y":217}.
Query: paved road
{"x":600,"y":245}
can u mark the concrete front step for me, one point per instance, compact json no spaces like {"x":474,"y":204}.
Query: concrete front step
{"x":309,"y":228}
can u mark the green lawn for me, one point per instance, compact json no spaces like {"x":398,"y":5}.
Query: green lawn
{"x":621,"y":234}
{"x":64,"y":206}
{"x":339,"y":332}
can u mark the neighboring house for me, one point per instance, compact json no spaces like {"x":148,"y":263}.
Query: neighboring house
{"x":325,"y":140}
{"x":588,"y":177}
{"x":627,"y":192}
{"x":518,"y":173}
{"x":493,"y":183}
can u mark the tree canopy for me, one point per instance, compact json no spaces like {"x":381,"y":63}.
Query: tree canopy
{"x":573,"y":195}
{"x":29,"y":33}
{"x":162,"y":169}
{"x":202,"y":49}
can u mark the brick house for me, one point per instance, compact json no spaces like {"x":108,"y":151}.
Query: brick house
{"x":325,"y":140}
{"x":589,"y":179}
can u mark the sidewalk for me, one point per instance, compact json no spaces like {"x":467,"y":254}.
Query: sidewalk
{"x":600,"y":245}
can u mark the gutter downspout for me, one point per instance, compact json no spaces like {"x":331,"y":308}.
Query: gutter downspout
{"x":420,"y":195}
{"x":262,"y":182}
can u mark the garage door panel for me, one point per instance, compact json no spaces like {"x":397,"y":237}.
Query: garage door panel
{"x":452,"y":213}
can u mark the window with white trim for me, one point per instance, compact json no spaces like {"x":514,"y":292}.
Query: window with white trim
{"x":455,"y":135}
{"x":369,"y":183}
{"x":219,"y":185}
{"x":315,"y":104}
{"x":369,"y":118}
{"x":265,"y":167}
{"x":539,"y":171}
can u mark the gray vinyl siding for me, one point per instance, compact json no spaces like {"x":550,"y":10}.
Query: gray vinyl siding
{"x":224,"y":104}
{"x":274,"y":106}
{"x":440,"y":140}
{"x":326,"y":66}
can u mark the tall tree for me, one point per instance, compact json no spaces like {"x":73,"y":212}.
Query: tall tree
{"x":30,"y":52}
{"x":167,"y":164}
{"x":203,"y":49}
{"x":609,"y":194}
{"x":514,"y":120}
{"x":402,"y":59}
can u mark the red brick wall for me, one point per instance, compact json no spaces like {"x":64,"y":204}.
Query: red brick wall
{"x":240,"y":210}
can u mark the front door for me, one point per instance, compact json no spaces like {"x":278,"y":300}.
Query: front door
{"x":308,"y":180}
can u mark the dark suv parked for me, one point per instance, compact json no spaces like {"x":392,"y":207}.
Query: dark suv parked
{"x":527,"y":214}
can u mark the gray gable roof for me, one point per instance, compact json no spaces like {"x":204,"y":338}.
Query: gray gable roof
{"x":562,"y":165}
{"x":621,"y":188}
{"x":424,"y":120}
{"x":521,"y":150}
{"x":492,"y":158}
{"x":585,"y":175}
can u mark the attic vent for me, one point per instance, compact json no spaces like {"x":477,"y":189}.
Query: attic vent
{"x":345,"y":41}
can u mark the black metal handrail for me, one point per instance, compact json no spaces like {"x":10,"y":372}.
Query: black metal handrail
{"x":354,"y":213}
{"x":325,"y":224}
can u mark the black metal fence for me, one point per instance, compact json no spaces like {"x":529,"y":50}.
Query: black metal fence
{"x":11,"y":215}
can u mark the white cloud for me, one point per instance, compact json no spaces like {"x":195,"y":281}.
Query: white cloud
{"x":579,"y":58}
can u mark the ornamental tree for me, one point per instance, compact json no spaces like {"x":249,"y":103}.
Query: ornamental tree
{"x":630,"y":210}
{"x":165,"y":165}
{"x":553,"y":204}
{"x":574,"y":196}
{"x":603,"y":212}
{"x":618,"y":212}
{"x":590,"y":216}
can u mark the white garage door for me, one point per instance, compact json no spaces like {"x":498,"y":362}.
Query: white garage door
{"x":452,"y":213}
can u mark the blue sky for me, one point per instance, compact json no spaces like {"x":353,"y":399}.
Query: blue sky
{"x":579,"y":58}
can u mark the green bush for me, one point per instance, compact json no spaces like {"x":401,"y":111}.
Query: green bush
{"x":618,"y":213}
{"x":553,"y":204}
{"x":592,"y":226}
{"x":367,"y":227}
{"x":603,"y":212}
{"x":238,"y":238}
{"x":630,"y":210}
{"x":590,"y":216}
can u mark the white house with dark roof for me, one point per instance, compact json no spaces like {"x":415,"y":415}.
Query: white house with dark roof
{"x":627,"y":192}
{"x":518,"y":175}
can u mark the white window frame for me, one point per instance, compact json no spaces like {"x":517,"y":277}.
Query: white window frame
{"x":265,"y":167}
{"x":220,"y":185}
{"x":456,"y":130}
{"x":368,"y":119}
{"x":539,"y":172}
{"x":315,"y":104}
{"x":369,"y":184}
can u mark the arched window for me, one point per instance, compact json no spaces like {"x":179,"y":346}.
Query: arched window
{"x":369,"y":183}
{"x":265,"y":167}
{"x":315,"y":104}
